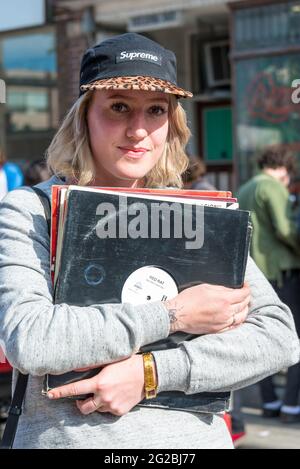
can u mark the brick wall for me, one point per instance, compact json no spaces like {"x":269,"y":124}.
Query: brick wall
{"x":71,"y":43}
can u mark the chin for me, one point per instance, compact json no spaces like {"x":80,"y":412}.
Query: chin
{"x":133,"y":173}
{"x":131,"y":176}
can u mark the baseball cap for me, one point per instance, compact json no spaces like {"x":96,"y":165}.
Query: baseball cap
{"x":130,"y":61}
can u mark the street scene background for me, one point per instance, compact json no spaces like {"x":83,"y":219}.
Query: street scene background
{"x":241,"y":59}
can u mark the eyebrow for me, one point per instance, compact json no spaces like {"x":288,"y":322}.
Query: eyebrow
{"x":120,"y":96}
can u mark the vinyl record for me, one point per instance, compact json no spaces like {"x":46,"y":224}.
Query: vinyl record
{"x":148,"y":284}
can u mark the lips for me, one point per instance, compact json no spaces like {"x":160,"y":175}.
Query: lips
{"x":133,"y":152}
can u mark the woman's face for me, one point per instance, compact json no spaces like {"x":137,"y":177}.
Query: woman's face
{"x":128,"y":131}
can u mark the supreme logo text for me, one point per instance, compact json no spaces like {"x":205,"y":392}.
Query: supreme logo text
{"x":138,"y":55}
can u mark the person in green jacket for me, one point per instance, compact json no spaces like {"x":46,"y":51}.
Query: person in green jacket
{"x":275,"y":248}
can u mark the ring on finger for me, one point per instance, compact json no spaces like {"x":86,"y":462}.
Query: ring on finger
{"x":234,"y":317}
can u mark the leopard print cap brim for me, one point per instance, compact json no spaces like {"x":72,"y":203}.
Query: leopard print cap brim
{"x":137,"y":83}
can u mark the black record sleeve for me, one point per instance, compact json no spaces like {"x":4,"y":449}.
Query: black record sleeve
{"x":93,"y":270}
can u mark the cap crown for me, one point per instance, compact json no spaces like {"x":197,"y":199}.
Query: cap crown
{"x":129,"y":54}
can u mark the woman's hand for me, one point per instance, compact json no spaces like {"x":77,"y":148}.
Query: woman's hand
{"x":117,"y":388}
{"x":207,"y":309}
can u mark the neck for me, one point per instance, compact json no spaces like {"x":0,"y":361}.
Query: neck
{"x":270,"y":172}
{"x":96,"y":182}
{"x":280,"y":174}
{"x":111,"y":181}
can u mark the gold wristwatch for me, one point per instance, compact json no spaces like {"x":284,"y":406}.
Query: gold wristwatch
{"x":150,"y":376}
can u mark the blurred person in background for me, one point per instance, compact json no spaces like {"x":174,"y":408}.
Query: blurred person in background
{"x":36,"y":172}
{"x":11,"y":175}
{"x":194,"y":177}
{"x":276,"y":250}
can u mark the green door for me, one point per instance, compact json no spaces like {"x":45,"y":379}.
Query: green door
{"x":217,"y":133}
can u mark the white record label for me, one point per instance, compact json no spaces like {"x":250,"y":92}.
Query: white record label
{"x":148,"y":284}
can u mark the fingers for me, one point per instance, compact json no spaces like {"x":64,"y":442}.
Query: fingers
{"x":90,"y":405}
{"x":233,"y":295}
{"x":239,"y":318}
{"x":238,"y":312}
{"x":238,"y":295}
{"x":86,"y":386}
{"x":238,"y":307}
{"x":93,"y":404}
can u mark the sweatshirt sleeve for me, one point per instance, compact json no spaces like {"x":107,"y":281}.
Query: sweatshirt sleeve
{"x":266,"y":343}
{"x":39,"y":337}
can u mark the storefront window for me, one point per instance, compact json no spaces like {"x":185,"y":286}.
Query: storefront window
{"x":267,"y":26}
{"x":31,"y":101}
{"x":29,"y":56}
{"x":28,"y":64}
{"x":31,"y":109}
{"x":266,"y":54}
{"x":265,"y":113}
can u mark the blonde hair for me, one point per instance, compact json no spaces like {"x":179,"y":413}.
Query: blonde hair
{"x":69,"y":154}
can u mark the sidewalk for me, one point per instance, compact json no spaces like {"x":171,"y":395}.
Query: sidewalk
{"x":268,"y":433}
{"x":264,"y":433}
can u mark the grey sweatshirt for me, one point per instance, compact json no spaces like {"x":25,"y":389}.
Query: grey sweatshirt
{"x":41,"y":338}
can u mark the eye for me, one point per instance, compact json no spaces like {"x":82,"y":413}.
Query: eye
{"x":119,"y":107}
{"x":158,"y":110}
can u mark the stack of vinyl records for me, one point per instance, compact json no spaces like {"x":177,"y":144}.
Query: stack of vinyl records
{"x":116,"y":245}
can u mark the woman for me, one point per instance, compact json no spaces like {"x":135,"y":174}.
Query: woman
{"x":128,"y":130}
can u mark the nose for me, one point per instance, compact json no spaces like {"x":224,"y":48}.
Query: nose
{"x":137,"y":128}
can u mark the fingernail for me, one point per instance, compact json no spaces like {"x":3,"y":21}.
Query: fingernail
{"x":51,"y":396}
